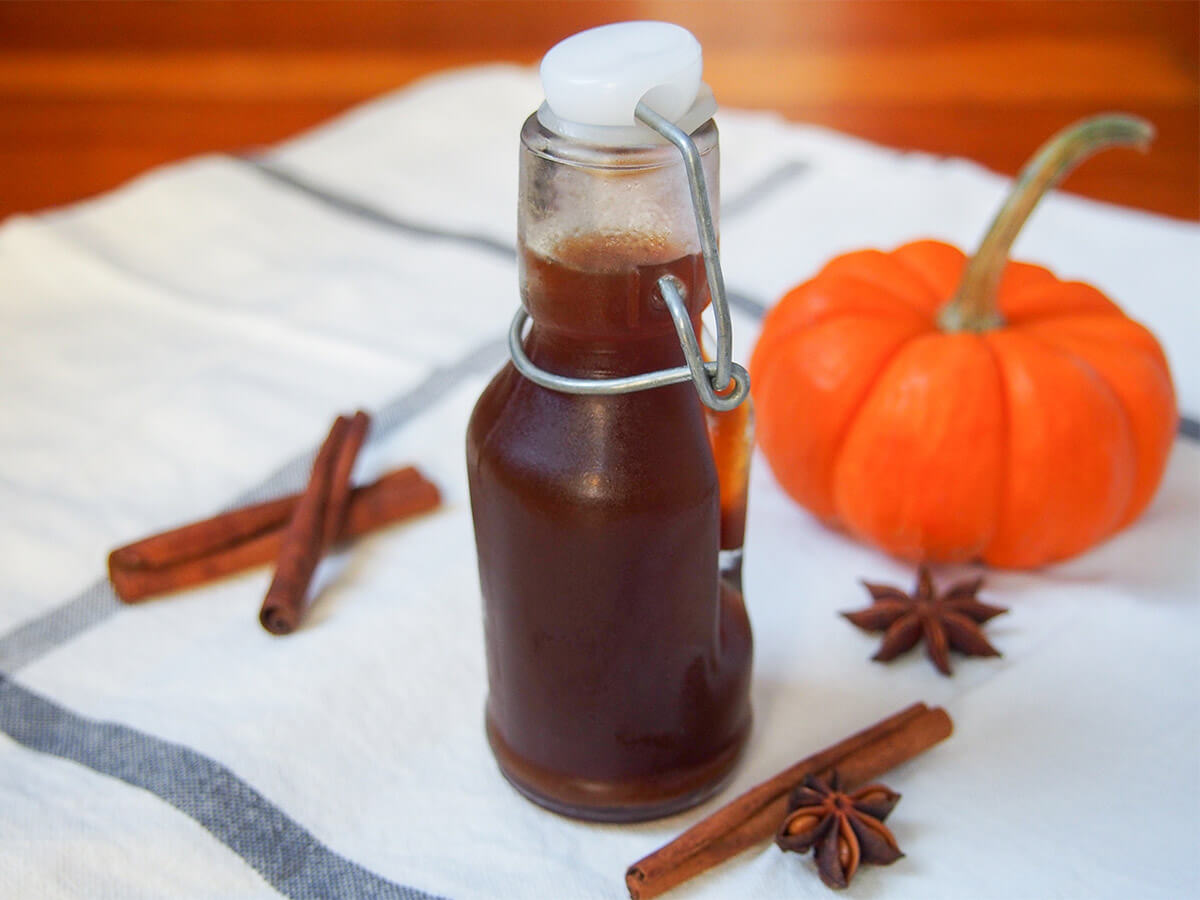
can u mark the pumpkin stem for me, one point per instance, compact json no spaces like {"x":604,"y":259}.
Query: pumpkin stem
{"x":973,"y":307}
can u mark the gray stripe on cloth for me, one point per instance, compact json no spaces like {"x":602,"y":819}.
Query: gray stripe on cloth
{"x":344,"y":204}
{"x":38,"y":636}
{"x":35,"y":638}
{"x":747,"y":304}
{"x":760,"y":190}
{"x":287,"y":856}
{"x":1189,"y":427}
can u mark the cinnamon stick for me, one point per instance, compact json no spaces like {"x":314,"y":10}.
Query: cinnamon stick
{"x":343,"y":467}
{"x":758,"y":797}
{"x":199,"y":539}
{"x":316,"y":519}
{"x":754,"y":816}
{"x":243,"y":538}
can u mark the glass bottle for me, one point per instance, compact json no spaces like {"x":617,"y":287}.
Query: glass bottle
{"x":618,"y":659}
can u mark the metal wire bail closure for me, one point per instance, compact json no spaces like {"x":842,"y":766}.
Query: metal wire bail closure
{"x":722,"y":384}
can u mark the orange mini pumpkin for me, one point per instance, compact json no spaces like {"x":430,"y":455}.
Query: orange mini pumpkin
{"x":951,"y":410}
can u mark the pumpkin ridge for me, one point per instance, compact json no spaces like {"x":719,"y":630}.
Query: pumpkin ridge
{"x":892,"y":307}
{"x":895,"y":295}
{"x":840,"y":442}
{"x":1151,"y":350}
{"x":920,"y":275}
{"x":853,"y":267}
{"x":771,"y":381}
{"x":1053,"y":316}
{"x":828,"y":316}
{"x":916,"y":473}
{"x":1129,"y":425}
{"x":1054,"y":312}
{"x":1103,"y":387}
{"x":1005,"y":444}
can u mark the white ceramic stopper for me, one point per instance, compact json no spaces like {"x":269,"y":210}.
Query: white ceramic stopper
{"x":597,"y":77}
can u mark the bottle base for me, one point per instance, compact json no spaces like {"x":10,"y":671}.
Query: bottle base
{"x":626,"y":800}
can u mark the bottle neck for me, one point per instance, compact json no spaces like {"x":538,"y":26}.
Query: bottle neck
{"x":596,"y":305}
{"x":597,"y":228}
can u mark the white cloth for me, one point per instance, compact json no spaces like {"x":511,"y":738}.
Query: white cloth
{"x":171,"y":344}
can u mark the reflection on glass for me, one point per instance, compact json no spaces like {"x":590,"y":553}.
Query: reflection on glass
{"x":731,"y":435}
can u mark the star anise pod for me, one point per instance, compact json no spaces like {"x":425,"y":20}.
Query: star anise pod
{"x":948,"y":622}
{"x":846,"y":829}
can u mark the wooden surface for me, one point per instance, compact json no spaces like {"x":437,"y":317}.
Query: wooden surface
{"x":93,"y":93}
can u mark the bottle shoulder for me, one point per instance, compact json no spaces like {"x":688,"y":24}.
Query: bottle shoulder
{"x":651,"y":445}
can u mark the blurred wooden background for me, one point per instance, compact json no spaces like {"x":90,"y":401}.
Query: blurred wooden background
{"x":93,"y":93}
